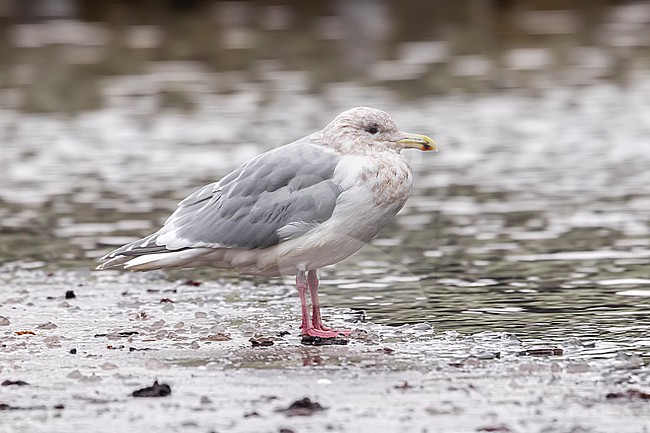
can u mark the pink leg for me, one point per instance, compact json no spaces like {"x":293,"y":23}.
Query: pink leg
{"x":317,"y":322}
{"x":306,"y":324}
{"x":302,"y":286}
{"x":312,"y":279}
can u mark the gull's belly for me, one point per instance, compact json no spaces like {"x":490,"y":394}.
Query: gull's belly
{"x":374,"y":190}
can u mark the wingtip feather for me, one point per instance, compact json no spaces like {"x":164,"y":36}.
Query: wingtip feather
{"x":110,"y":262}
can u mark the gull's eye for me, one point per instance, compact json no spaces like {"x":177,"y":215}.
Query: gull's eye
{"x":372,"y":129}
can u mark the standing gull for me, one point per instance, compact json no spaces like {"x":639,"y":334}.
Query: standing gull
{"x":291,"y":210}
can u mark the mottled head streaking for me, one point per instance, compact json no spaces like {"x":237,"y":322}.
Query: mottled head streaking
{"x":362,"y":130}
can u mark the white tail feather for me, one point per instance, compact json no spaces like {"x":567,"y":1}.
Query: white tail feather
{"x":172,"y":259}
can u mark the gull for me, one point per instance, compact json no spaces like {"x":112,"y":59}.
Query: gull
{"x":291,"y":210}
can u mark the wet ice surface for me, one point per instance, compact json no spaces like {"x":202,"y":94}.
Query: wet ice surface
{"x":511,"y":293}
{"x":405,"y":378}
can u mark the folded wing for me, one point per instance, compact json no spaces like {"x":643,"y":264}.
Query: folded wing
{"x":279,"y":195}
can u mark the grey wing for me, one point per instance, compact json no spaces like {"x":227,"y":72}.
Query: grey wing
{"x":276,"y":196}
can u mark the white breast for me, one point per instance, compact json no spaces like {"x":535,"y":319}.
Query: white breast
{"x":374,"y":189}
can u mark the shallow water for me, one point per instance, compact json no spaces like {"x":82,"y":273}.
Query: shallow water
{"x":82,"y":357}
{"x":537,"y":226}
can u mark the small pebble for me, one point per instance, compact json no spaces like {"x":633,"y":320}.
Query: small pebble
{"x":4,"y":321}
{"x":308,"y":340}
{"x":192,"y":283}
{"x":425,"y":326}
{"x":403,"y":386}
{"x":76,"y":374}
{"x":48,"y":325}
{"x":262,"y":341}
{"x":155,"y":390}
{"x":302,"y":407}
{"x":70,"y":294}
{"x":630,"y":394}
{"x":14,"y":382}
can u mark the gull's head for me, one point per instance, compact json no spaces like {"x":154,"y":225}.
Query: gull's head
{"x":363,"y":129}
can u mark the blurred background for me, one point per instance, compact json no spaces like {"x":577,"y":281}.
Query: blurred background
{"x":535,"y":208}
{"x":58,"y":56}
